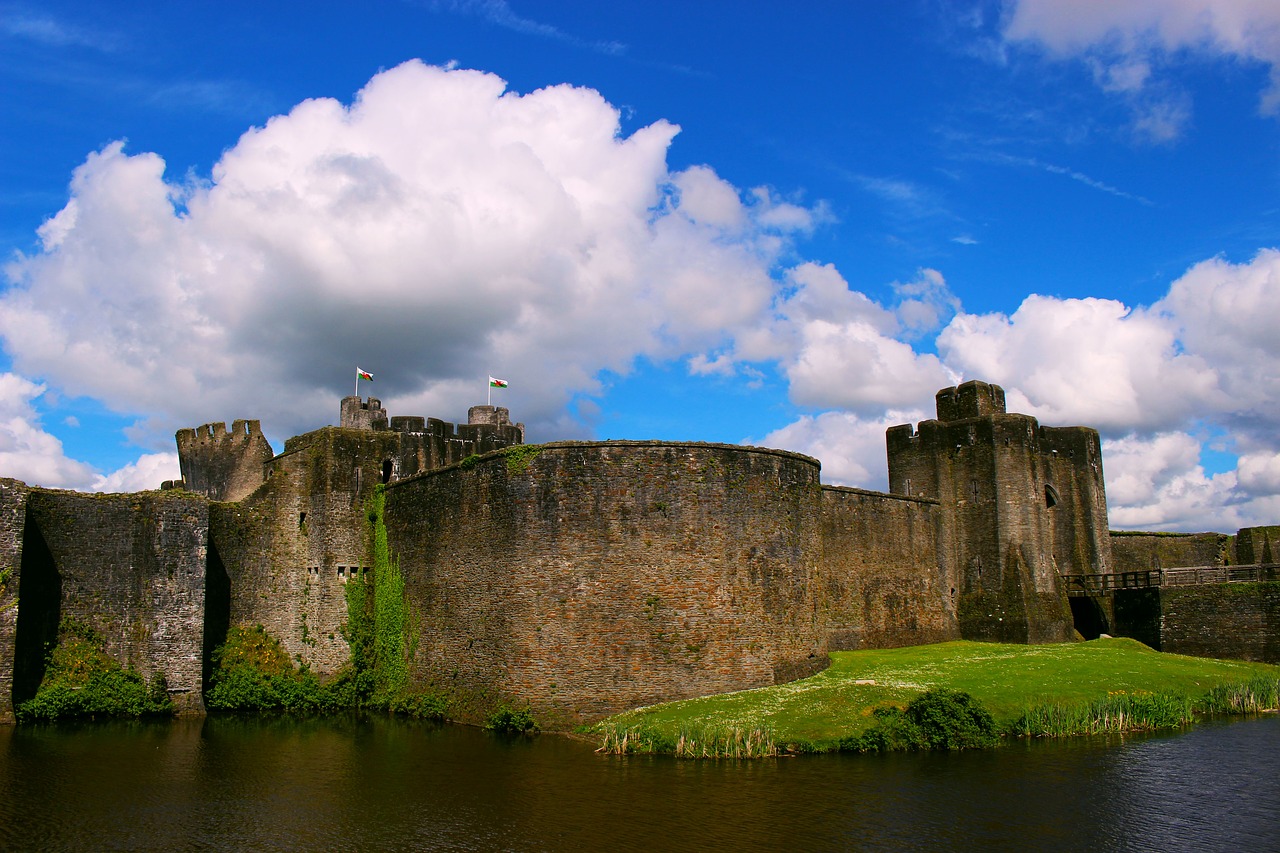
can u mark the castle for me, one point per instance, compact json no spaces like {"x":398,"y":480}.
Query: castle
{"x":584,"y":578}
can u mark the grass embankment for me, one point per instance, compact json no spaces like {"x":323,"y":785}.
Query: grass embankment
{"x":1052,"y":690}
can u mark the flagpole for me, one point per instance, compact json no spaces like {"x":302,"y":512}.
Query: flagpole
{"x":489,"y":399}
{"x":357,"y":382}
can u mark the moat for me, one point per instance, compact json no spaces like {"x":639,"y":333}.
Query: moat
{"x":379,"y":784}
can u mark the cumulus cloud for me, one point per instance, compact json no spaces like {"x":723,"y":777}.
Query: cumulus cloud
{"x":1125,"y":41}
{"x":437,"y":229}
{"x":851,"y":448}
{"x":27,"y":452}
{"x":1086,"y":361}
{"x":31,"y":454}
{"x":1206,"y":354}
{"x":1157,"y":482}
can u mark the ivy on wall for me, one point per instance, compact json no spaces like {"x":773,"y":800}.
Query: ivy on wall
{"x":82,"y":680}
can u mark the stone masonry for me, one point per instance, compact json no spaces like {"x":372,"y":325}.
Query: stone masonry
{"x":577,"y":578}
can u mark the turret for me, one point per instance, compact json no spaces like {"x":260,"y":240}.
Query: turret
{"x":359,"y":414}
{"x":1021,"y":505}
{"x":223,"y":465}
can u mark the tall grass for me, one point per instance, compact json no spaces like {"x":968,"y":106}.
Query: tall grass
{"x":689,"y":742}
{"x":1114,"y":714}
{"x":1254,"y":696}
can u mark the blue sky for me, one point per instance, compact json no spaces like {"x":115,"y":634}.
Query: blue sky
{"x":716,"y":221}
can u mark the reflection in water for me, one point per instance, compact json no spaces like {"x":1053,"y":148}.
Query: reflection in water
{"x":227,"y":784}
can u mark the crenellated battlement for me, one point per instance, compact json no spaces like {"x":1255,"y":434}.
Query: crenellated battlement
{"x":973,"y":399}
{"x":222,"y":464}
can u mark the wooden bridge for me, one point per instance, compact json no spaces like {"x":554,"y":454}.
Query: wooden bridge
{"x":1098,"y":585}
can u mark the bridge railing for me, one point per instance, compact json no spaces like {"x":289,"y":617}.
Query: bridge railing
{"x":1104,"y":584}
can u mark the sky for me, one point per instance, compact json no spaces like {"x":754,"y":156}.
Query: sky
{"x":786,"y":225}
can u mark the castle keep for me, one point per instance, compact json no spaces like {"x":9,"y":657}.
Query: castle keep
{"x":579,"y":578}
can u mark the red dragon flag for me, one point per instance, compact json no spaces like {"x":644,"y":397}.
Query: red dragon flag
{"x":495,"y":383}
{"x":362,"y":374}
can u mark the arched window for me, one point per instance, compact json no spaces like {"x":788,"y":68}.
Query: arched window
{"x":1050,"y":496}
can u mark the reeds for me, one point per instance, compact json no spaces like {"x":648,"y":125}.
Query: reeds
{"x":690,"y":742}
{"x":1247,"y":697}
{"x":1115,"y":714}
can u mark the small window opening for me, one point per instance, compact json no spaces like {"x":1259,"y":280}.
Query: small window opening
{"x":1050,"y":496}
{"x":386,"y":471}
{"x":302,"y":521}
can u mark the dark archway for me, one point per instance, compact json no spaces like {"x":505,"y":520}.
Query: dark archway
{"x":1089,"y":616}
{"x":217,"y":611}
{"x":39,"y":612}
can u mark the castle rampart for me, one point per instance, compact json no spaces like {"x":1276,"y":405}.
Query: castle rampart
{"x":592,"y":577}
{"x":884,"y":587}
{"x":13,"y":515}
{"x":131,"y":567}
{"x":582,"y":578}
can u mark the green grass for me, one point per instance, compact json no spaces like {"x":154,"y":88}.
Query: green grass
{"x":1117,"y":678}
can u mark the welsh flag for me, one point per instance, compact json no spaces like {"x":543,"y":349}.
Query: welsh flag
{"x":364,"y":374}
{"x":497,"y":383}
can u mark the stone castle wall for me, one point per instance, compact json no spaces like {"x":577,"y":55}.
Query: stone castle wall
{"x":582,"y":578}
{"x":1138,"y":552}
{"x":594,"y":577}
{"x":132,"y":567}
{"x":13,"y":514}
{"x":882,"y":584}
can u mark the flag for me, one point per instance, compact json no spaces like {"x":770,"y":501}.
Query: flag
{"x":364,"y":375}
{"x":497,"y":383}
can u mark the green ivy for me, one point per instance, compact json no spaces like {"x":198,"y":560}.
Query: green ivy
{"x":82,"y":680}
{"x":519,"y":456}
{"x":390,"y":611}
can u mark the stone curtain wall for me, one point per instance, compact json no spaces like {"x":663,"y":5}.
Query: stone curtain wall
{"x":133,"y":568}
{"x":1139,"y":552}
{"x":882,"y":583}
{"x":13,"y":514}
{"x":1228,"y":620}
{"x":588,"y":578}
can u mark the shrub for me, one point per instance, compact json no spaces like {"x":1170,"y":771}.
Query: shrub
{"x":938,"y":719}
{"x":506,"y":720}
{"x":82,"y":680}
{"x":952,"y":719}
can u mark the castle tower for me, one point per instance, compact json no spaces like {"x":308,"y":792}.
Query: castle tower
{"x":358,"y":414}
{"x":223,"y":465}
{"x":1022,"y":505}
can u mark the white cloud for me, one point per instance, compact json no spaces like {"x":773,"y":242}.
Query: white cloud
{"x":438,"y":228}
{"x":851,"y":448}
{"x":1124,"y":38}
{"x":1084,"y":361}
{"x":147,"y":472}
{"x":27,"y":452}
{"x":30,"y":454}
{"x":1157,"y":483}
{"x":1226,"y":314}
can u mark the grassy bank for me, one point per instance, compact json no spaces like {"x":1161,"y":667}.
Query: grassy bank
{"x":1072,"y":688}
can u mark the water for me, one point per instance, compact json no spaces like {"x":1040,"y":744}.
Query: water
{"x":224,"y":784}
